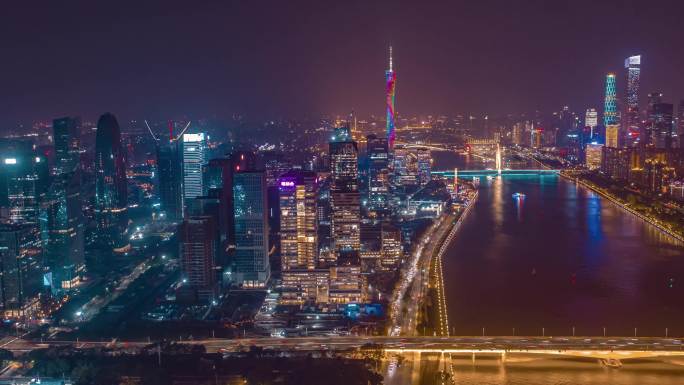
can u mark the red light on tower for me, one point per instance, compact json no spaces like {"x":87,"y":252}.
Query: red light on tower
{"x":170,"y":124}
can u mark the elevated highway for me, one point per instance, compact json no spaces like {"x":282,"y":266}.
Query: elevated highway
{"x":614,"y":348}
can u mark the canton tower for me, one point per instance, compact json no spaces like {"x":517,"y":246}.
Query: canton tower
{"x":391,"y":79}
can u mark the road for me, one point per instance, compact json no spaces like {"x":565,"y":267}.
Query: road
{"x":413,"y":287}
{"x":93,"y":307}
{"x":463,"y":344}
{"x":413,"y":284}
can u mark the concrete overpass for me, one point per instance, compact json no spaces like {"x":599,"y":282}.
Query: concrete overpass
{"x":607,"y":348}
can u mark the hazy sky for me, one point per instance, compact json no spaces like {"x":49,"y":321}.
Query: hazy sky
{"x":285,"y":58}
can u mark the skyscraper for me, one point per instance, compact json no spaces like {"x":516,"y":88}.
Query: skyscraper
{"x":344,"y":193}
{"x":680,"y":123}
{"x":591,"y":122}
{"x":62,"y":226}
{"x":194,"y":156}
{"x":390,"y":83}
{"x":610,"y":113}
{"x":20,"y":271}
{"x":23,"y":181}
{"x":170,"y":179}
{"x":565,"y":127}
{"x":593,"y":156}
{"x":649,"y":129}
{"x":67,"y":139}
{"x":62,"y":222}
{"x":378,"y":172}
{"x":631,"y":118}
{"x":111,"y":196}
{"x":298,"y":193}
{"x":401,"y":175}
{"x":424,"y":165}
{"x":661,"y":125}
{"x":517,"y":134}
{"x":198,"y":247}
{"x":217,"y":180}
{"x":391,"y":247}
{"x":251,"y":265}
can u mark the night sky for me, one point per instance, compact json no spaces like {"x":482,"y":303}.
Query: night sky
{"x":167,"y":59}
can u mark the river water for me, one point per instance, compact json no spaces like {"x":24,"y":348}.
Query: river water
{"x":562,"y":257}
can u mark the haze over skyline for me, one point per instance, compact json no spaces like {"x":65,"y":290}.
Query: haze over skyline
{"x":269,"y":59}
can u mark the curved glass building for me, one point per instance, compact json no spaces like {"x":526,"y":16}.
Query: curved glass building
{"x":111,"y":198}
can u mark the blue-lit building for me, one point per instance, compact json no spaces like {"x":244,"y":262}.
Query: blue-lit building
{"x":24,"y":177}
{"x":194,"y":157}
{"x":217,"y":181}
{"x":62,"y":232}
{"x":21,"y":270}
{"x":251,"y":267}
{"x":170,"y":179}
{"x":61,"y":214}
{"x":66,"y":134}
{"x":610,"y":115}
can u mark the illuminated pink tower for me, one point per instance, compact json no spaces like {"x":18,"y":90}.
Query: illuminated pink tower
{"x":391,"y":79}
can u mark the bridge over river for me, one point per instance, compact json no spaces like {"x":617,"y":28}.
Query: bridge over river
{"x":494,"y":172}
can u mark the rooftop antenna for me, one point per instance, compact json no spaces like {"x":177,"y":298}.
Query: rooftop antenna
{"x":170,"y":125}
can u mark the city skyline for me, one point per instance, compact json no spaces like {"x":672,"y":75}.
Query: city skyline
{"x":269,"y":202}
{"x":208,"y":62}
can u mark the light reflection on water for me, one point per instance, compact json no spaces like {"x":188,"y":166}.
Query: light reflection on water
{"x":563,"y":257}
{"x":566,"y":372}
{"x":519,"y":370}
